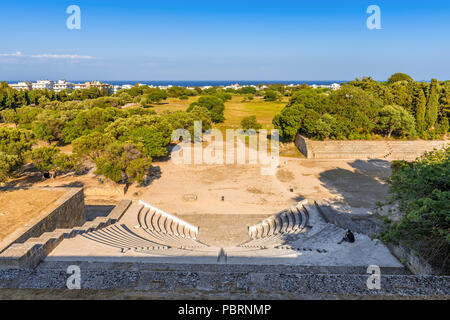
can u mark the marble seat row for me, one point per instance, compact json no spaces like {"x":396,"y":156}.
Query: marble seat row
{"x":289,"y":221}
{"x":167,"y":229}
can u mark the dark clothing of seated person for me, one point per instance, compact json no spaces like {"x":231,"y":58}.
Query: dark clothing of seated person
{"x":349,"y":237}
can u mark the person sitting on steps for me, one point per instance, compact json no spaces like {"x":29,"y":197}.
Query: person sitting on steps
{"x":349,"y":237}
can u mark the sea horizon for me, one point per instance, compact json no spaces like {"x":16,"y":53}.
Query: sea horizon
{"x":202,"y":83}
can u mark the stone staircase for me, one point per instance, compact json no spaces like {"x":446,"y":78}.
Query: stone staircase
{"x":122,"y":238}
{"x":146,"y":229}
{"x":30,"y":253}
{"x":273,"y":231}
{"x":367,"y":149}
{"x":348,"y":149}
{"x":34,"y":250}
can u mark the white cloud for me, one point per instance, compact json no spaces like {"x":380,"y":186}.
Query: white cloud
{"x":61,"y":56}
{"x":16,"y":54}
{"x":47,"y":56}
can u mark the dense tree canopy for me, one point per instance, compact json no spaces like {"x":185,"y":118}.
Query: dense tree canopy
{"x":395,"y":119}
{"x":399,"y":77}
{"x":213,"y":104}
{"x":250,"y":123}
{"x":101,"y":126}
{"x":14,"y":145}
{"x":422,"y":190}
{"x":366,"y":108}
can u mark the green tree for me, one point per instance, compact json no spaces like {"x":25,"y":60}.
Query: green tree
{"x":49,"y":126}
{"x":8,"y":164}
{"x":422,"y":191}
{"x":395,"y":119}
{"x":14,"y":145}
{"x":326,"y":126}
{"x":250,"y":123}
{"x":289,"y":121}
{"x":420,"y":105}
{"x":9,"y":116}
{"x":431,"y":115}
{"x":399,"y":77}
{"x":152,"y":132}
{"x":247,"y":90}
{"x":271,"y":95}
{"x":203,"y":115}
{"x":90,"y":146}
{"x":15,"y":141}
{"x":87,"y":121}
{"x":123,"y":163}
{"x":213,"y":104}
{"x":43,"y":158}
{"x":156,"y":95}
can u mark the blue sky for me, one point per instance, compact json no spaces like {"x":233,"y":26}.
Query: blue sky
{"x":224,"y":40}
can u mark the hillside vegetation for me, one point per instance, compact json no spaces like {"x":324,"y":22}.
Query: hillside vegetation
{"x":119,"y":135}
{"x":367,"y":109}
{"x":422,"y":190}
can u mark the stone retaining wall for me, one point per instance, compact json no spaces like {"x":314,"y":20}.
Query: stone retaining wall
{"x":303,"y":144}
{"x":227,"y":283}
{"x":413,"y":261}
{"x":364,"y":224}
{"x":366,"y":149}
{"x":66,"y":212}
{"x":31,"y":252}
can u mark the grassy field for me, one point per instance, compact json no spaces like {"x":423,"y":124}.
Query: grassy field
{"x":235,"y":110}
{"x":174,"y":104}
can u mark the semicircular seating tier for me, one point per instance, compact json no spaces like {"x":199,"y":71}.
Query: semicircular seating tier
{"x":165,"y":228}
{"x":272,"y":231}
{"x":146,"y":228}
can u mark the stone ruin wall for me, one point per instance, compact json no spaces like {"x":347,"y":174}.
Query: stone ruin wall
{"x":366,"y":149}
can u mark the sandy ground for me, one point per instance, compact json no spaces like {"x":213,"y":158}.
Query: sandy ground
{"x":198,"y":189}
{"x":17,"y":207}
{"x":194,"y":192}
{"x":351,"y":184}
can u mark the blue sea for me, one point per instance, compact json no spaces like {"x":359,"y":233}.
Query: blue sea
{"x":216,"y":83}
{"x":202,"y":83}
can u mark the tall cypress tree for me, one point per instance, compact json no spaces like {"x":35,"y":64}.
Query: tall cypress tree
{"x":419,"y":105}
{"x":445,"y":100}
{"x":431,"y":115}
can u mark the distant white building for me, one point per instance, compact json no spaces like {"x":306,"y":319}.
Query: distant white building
{"x":235,"y":86}
{"x":43,"y":85}
{"x":127,"y":86}
{"x":165,"y":87}
{"x":61,"y":85}
{"x":93,"y":84}
{"x":79,"y":86}
{"x":116,"y":89}
{"x":24,"y":85}
{"x":335,"y":86}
